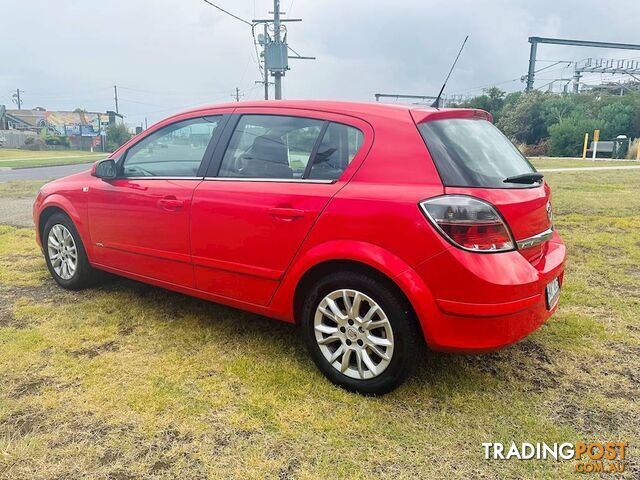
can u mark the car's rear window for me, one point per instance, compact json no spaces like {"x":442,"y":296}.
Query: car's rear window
{"x":473,"y":153}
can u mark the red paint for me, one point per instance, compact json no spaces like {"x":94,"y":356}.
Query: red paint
{"x":248,"y":243}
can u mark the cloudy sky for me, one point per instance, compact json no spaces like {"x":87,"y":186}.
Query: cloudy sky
{"x":168,"y":55}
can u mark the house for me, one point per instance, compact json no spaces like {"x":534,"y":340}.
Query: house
{"x":84,"y":129}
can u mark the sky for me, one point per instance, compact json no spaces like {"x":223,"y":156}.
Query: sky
{"x":169,"y":55}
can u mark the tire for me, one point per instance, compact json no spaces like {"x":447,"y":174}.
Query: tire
{"x":318,"y":327}
{"x":83,"y":275}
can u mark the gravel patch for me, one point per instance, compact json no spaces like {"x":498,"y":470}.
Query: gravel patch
{"x":16,"y":212}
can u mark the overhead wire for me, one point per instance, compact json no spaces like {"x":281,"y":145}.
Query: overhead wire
{"x":228,"y":12}
{"x":246,"y":22}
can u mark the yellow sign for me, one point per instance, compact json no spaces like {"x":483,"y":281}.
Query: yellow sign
{"x":586,"y":145}
{"x":596,"y":135}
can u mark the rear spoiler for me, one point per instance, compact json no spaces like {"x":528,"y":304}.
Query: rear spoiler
{"x":421,"y":114}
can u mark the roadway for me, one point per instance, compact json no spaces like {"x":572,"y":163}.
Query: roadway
{"x":41,"y":173}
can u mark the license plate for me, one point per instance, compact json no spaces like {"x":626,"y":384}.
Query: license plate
{"x":553,"y":292}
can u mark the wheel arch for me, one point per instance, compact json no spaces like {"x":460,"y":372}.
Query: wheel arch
{"x":322,"y":269}
{"x":46,"y":214}
{"x":58,"y":204}
{"x":362,"y":257}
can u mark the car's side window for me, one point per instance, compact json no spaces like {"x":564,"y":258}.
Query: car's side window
{"x":173,"y":151}
{"x":270,"y":146}
{"x":339,"y":145}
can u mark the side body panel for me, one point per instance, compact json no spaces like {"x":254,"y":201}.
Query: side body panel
{"x":245,"y":232}
{"x":142,"y":226}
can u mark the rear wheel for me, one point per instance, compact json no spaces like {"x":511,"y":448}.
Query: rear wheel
{"x":65,"y":254}
{"x":359,"y":333}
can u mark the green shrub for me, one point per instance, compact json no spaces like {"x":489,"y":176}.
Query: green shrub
{"x":567,"y":137}
{"x":524,"y":120}
{"x":531,"y":119}
{"x":34,"y":143}
{"x":117,"y":134}
{"x":57,"y":140}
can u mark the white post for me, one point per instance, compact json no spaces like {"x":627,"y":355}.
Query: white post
{"x":596,"y":139}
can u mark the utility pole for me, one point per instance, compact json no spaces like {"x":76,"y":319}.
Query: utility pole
{"x":276,"y":50}
{"x":146,"y":124}
{"x":115,"y":96}
{"x":237,"y":95}
{"x":16,"y":97}
{"x":276,"y":39}
{"x":266,"y":68}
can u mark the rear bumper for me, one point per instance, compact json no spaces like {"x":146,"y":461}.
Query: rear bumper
{"x":480,"y":334}
{"x":483,"y":302}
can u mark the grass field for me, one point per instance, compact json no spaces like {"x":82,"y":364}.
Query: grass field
{"x":128,"y":381}
{"x":560,"y":162}
{"x":20,"y":189}
{"x":15,"y":158}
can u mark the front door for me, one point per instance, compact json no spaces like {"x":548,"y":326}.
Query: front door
{"x":139,"y":222}
{"x":251,"y":215}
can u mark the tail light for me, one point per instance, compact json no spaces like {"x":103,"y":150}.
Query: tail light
{"x":469,"y":223}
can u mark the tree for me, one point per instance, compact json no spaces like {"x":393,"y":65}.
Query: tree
{"x":557,"y":107}
{"x":535,"y":118}
{"x":616,"y":119}
{"x":491,"y":100}
{"x":524,"y":121}
{"x":567,"y":136}
{"x":117,"y":134}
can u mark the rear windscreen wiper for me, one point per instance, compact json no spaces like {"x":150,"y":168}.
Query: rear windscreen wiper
{"x":532,"y":177}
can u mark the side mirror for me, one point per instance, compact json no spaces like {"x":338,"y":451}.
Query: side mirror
{"x":105,"y":169}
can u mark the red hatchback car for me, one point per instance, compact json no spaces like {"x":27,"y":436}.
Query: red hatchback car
{"x":368,"y":225}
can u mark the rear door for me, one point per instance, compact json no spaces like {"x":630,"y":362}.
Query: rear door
{"x":474,"y":158}
{"x":264,"y":192}
{"x":139,"y":222}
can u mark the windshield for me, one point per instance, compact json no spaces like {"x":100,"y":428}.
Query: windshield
{"x":473,"y":153}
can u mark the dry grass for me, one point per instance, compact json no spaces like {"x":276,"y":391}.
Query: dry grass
{"x":20,"y":189}
{"x":130,"y":381}
{"x":632,"y":153}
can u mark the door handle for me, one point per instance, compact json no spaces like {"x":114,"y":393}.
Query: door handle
{"x":170,"y":203}
{"x":284,"y":213}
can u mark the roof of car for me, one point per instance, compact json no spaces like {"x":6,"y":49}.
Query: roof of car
{"x":344,"y":107}
{"x":363,"y":110}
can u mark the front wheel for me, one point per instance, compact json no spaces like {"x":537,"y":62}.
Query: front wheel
{"x":65,"y":254}
{"x":359,"y":333}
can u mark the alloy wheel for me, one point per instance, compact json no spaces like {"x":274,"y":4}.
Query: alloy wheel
{"x":354,"y":334}
{"x":63,"y":253}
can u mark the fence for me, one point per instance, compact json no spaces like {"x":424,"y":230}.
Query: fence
{"x":14,"y":138}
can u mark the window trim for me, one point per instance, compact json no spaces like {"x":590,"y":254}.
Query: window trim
{"x":204,"y":162}
{"x":213,"y":172}
{"x":271,"y":180}
{"x":314,"y":151}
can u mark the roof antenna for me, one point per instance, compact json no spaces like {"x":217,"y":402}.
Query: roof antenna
{"x":436,"y":102}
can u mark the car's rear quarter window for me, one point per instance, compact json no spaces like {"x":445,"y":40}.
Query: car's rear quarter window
{"x":339,"y":146}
